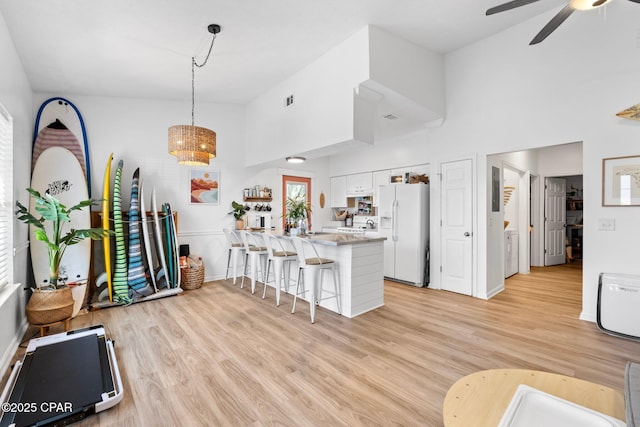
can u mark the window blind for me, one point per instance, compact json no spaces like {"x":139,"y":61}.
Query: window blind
{"x":6,"y":198}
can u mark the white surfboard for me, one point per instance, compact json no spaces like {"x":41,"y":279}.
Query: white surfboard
{"x":58,"y":172}
{"x":158,"y":235}
{"x":145,"y":236}
{"x":59,"y":123}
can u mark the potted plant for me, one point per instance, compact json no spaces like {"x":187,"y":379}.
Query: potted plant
{"x":298,"y":209}
{"x":239,"y":211}
{"x":48,"y":304}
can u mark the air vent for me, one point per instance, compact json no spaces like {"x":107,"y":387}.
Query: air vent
{"x":289,"y":101}
{"x":390,"y":116}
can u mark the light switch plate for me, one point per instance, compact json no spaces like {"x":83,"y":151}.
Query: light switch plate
{"x":606,"y":224}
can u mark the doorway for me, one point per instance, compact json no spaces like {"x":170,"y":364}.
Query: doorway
{"x":295,"y":187}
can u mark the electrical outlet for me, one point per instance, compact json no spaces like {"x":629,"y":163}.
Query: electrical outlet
{"x":606,"y":224}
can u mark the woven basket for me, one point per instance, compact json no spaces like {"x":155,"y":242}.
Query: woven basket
{"x":49,"y":306}
{"x":191,"y":278}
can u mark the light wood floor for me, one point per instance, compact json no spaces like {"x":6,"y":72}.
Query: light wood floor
{"x":221,"y":356}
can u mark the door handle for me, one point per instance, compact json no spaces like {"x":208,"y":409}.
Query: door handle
{"x":467,"y":234}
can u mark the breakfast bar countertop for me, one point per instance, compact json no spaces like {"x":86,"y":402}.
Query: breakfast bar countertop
{"x":338,"y":239}
{"x":332,"y":239}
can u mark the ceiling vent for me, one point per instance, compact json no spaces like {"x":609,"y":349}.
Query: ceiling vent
{"x":390,"y":116}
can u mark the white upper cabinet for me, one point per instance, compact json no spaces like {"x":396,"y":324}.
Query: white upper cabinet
{"x":360,"y":184}
{"x":379,"y":178}
{"x":339,"y":192}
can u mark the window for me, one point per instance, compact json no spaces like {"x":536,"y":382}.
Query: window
{"x":295,"y":187}
{"x":6,"y":198}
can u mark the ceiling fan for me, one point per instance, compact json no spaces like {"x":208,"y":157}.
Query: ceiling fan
{"x":556,"y":20}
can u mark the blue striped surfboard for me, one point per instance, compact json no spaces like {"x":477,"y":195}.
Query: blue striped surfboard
{"x":136,"y":271}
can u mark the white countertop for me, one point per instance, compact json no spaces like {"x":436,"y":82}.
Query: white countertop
{"x":335,"y":239}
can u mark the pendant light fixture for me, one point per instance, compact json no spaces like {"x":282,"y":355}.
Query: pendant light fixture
{"x":194,"y":145}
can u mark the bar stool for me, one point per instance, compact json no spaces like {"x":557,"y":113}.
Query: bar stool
{"x":278,"y":255}
{"x":236,"y":247}
{"x":315,"y":265}
{"x":255,"y":254}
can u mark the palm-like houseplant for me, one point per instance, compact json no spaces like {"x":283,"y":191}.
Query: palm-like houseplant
{"x":51,"y":210}
{"x":298,"y":209}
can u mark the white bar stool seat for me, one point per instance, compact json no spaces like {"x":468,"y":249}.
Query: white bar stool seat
{"x":256,"y":255}
{"x":236,"y":248}
{"x":278,"y":255}
{"x":314,"y":264}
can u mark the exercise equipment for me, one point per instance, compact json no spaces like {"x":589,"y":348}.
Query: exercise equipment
{"x":62,"y":379}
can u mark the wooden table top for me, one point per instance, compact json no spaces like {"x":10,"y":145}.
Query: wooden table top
{"x":480,"y":399}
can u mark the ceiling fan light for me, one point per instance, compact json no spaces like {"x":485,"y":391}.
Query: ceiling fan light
{"x":587,"y":4}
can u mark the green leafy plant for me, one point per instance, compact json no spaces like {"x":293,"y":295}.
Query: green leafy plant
{"x":52,"y":210}
{"x":297,"y":208}
{"x":238,"y":210}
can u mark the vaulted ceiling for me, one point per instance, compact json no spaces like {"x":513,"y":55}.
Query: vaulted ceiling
{"x":142,"y":48}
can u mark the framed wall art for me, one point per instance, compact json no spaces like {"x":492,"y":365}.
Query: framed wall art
{"x":204,"y":187}
{"x":621,"y":181}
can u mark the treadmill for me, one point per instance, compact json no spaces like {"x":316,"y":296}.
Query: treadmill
{"x":62,"y":379}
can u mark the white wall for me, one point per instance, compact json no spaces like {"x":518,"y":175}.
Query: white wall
{"x":323,"y":110}
{"x":15,"y":96}
{"x":410,"y":70}
{"x":135,"y":130}
{"x":503,"y":96}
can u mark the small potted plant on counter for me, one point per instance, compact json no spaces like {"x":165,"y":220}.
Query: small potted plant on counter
{"x":298,"y":210}
{"x":239,"y":211}
{"x":54,"y":302}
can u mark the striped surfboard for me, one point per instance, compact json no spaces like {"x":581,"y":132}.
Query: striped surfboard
{"x":136,"y":271}
{"x":120,"y":280}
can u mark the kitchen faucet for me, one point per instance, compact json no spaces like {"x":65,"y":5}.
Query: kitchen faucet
{"x":370,"y":223}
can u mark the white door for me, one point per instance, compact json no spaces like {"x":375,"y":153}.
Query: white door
{"x":555,"y":202}
{"x":456,"y":228}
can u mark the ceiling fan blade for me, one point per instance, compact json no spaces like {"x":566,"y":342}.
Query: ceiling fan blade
{"x":553,"y":24}
{"x":635,"y":1}
{"x":510,"y":5}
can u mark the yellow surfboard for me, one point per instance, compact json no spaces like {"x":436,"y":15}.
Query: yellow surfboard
{"x":106,"y":242}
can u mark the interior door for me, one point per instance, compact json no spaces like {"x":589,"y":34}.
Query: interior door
{"x":555,"y":217}
{"x":456,"y":228}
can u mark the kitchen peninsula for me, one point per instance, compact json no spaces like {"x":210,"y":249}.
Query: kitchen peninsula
{"x":360,"y":261}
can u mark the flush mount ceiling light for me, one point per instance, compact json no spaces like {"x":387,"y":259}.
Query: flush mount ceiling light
{"x":555,"y":22}
{"x":194,"y":145}
{"x":295,"y":159}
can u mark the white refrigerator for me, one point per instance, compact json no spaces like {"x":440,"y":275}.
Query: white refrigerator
{"x":404,"y":221}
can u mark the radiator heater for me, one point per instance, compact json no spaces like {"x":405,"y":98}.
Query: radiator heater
{"x":619,"y":305}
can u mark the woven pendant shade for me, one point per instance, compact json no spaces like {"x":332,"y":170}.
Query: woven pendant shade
{"x":192,"y":145}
